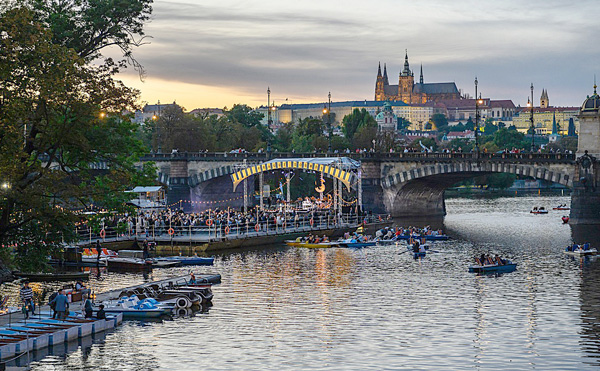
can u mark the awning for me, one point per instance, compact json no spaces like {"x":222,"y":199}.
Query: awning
{"x":145,"y":189}
{"x":337,"y":167}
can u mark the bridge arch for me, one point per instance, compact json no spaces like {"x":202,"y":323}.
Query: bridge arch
{"x":419,"y":191}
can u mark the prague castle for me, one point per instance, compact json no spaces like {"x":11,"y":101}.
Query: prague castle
{"x":410,"y":93}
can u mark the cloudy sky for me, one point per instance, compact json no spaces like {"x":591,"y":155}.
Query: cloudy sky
{"x":217,"y":53}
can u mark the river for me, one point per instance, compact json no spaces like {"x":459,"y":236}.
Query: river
{"x":378,"y":309}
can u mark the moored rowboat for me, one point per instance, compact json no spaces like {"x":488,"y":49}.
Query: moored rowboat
{"x":45,"y":277}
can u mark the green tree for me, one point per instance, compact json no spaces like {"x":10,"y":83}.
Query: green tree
{"x":355,"y":120}
{"x":59,"y":118}
{"x":508,"y":139}
{"x":88,"y":26}
{"x":440,"y":122}
{"x":364,"y":137}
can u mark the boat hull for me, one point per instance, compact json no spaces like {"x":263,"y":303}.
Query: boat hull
{"x":507,"y":268}
{"x":581,"y":252}
{"x":357,"y":245}
{"x":310,"y":245}
{"x":46,"y":277}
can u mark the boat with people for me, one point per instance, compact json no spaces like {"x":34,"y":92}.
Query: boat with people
{"x":540,"y":210}
{"x":309,"y":245}
{"x":562,"y":207}
{"x":580,"y":250}
{"x":312,"y":242}
{"x":356,"y":244}
{"x":490,"y":264}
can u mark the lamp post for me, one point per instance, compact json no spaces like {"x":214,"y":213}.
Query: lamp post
{"x":532,"y":125}
{"x":269,"y":108}
{"x":329,"y":124}
{"x":476,"y":120}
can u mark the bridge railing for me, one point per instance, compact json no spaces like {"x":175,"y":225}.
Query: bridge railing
{"x":408,"y":156}
{"x":219,"y":231}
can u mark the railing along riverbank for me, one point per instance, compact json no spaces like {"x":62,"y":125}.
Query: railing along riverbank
{"x":215,"y":231}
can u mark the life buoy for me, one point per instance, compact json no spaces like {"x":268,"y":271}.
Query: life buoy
{"x":312,"y":222}
{"x":257,"y":227}
{"x":103,"y":233}
{"x":209,"y":222}
{"x":171,"y":231}
{"x":227,"y":230}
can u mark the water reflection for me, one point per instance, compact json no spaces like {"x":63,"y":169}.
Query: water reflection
{"x":377,"y":308}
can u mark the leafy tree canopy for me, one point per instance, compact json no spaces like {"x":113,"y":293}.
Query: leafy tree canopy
{"x":59,"y":119}
{"x":357,"y":119}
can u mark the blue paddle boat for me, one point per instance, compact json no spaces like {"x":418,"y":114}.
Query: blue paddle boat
{"x":355,"y":244}
{"x":495,"y":268}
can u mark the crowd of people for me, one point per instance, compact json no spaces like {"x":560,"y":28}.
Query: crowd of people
{"x":150,"y":223}
{"x":59,"y":301}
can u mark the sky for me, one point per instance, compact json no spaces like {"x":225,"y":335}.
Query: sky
{"x":218,"y":53}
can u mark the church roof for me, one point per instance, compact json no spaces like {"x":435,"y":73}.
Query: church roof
{"x":436,"y":88}
{"x":390,"y":89}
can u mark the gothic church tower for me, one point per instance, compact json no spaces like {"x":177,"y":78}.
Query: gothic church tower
{"x":379,"y":89}
{"x":544,"y":101}
{"x":406,"y":82}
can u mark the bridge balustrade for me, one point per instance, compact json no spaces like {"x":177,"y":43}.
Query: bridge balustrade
{"x":407,"y":156}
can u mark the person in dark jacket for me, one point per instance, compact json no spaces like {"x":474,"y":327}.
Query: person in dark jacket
{"x":88,"y":307}
{"x":101,"y":314}
{"x":52,"y":304}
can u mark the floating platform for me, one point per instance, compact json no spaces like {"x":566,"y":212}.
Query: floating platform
{"x":41,"y":331}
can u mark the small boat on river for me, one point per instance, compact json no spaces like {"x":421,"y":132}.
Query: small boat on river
{"x":561,"y":207}
{"x":310,"y":245}
{"x":580,"y":250}
{"x":355,"y":244}
{"x":494,"y":268}
{"x":46,"y":277}
{"x":188,"y":260}
{"x":540,"y":210}
{"x":129,"y":263}
{"x":137,"y":310}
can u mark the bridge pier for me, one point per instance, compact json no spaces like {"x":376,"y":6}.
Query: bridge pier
{"x":179,"y":192}
{"x":372,"y":192}
{"x":585,"y":199}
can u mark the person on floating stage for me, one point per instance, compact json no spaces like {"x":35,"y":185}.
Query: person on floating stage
{"x":586,"y":246}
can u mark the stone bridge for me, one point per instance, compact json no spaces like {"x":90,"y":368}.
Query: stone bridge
{"x":402,"y":184}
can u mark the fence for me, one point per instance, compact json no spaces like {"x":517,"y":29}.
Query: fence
{"x":219,"y":230}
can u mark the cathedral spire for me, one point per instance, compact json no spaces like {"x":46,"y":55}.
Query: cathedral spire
{"x":406,"y":70}
{"x":385,"y":77}
{"x":379,"y":70}
{"x":421,"y":78}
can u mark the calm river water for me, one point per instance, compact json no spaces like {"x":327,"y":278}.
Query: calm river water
{"x":378,"y":309}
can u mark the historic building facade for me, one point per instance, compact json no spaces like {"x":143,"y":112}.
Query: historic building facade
{"x":410,"y":93}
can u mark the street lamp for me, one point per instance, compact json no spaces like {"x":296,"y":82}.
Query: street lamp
{"x":532,"y":125}
{"x":269,"y":107}
{"x":477,"y":100}
{"x":329,"y":124}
